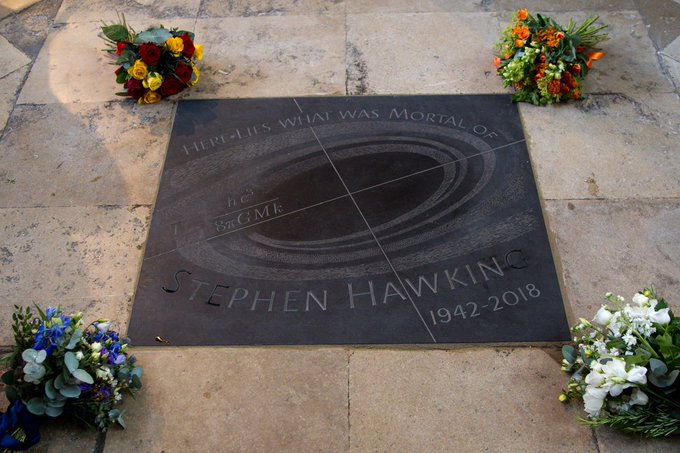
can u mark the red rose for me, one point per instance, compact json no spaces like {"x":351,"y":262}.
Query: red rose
{"x":188,"y":46}
{"x":150,"y":53}
{"x":120,"y":46}
{"x":184,"y":72}
{"x":171,"y":86}
{"x":135,"y":88}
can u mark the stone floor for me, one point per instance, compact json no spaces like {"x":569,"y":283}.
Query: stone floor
{"x":79,"y":170}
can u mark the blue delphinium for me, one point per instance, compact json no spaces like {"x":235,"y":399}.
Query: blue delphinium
{"x":51,"y":331}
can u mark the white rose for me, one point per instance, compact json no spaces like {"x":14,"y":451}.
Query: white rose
{"x":594,"y":378}
{"x":639,"y":397}
{"x":661,"y":316}
{"x":96,"y":346}
{"x":603,"y":316}
{"x":640,"y":299}
{"x":593,"y":400}
{"x":79,"y":355}
{"x":637,"y":375}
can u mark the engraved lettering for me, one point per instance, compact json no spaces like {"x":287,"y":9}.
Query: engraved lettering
{"x":257,"y":299}
{"x":421,"y":280}
{"x":452,"y":278}
{"x":352,"y":294}
{"x":179,"y":285}
{"x":289,"y":299}
{"x":392,"y":290}
{"x":483,"y":267}
{"x":213,"y":293}
{"x":238,"y":295}
{"x":311,"y":296}
{"x":198,"y":287}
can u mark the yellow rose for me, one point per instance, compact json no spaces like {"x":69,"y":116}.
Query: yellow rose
{"x":197,"y":74}
{"x":150,"y":97}
{"x":175,"y":46}
{"x":153,"y":81}
{"x":138,"y":70}
{"x":198,"y":51}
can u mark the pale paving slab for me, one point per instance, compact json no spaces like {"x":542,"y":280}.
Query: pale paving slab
{"x":53,"y":78}
{"x":9,"y":87}
{"x":237,"y":400}
{"x":8,"y":7}
{"x":271,"y":56}
{"x":440,"y":53}
{"x":462,"y":400}
{"x":609,"y":146}
{"x":617,"y":246}
{"x":147,"y":10}
{"x":82,"y":258}
{"x":409,"y":6}
{"x":245,"y":8}
{"x":84,"y":154}
{"x":11,"y":58}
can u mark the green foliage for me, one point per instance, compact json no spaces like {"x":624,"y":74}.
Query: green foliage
{"x":155,"y":35}
{"x":652,"y":421}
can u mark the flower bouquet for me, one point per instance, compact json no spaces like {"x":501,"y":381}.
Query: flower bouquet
{"x":59,"y":366}
{"x":545,"y":62}
{"x":153,"y":64}
{"x":626,"y":364}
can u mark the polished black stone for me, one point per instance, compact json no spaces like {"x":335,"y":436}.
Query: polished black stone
{"x":348,"y":220}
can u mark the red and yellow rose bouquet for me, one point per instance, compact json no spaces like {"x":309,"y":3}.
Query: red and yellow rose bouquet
{"x":155,"y":63}
{"x":545,"y":62}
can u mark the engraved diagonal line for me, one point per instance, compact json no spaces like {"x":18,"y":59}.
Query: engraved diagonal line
{"x":415,"y":307}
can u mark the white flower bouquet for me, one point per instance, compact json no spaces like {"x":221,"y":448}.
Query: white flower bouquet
{"x":625,"y":366}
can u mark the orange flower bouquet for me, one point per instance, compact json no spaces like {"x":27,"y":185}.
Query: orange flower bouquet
{"x":545,"y":62}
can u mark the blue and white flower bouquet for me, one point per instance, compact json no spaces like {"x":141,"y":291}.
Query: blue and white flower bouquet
{"x":59,"y":366}
{"x":625,"y":366}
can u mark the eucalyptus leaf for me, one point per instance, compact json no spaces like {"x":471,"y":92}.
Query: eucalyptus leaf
{"x":36,"y":406}
{"x":75,"y":338}
{"x":120,"y":421}
{"x":83,"y":376}
{"x":42,"y":355}
{"x":59,"y":382}
{"x":70,"y":391}
{"x":136,"y":382}
{"x":60,"y":402}
{"x":666,"y":380}
{"x":50,"y":391}
{"x":53,"y":411}
{"x":569,"y":354}
{"x":155,"y":35}
{"x":29,"y":355}
{"x":71,"y":361}
{"x":657,"y":367}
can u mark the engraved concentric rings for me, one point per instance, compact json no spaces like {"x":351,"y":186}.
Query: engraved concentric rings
{"x":437,"y":178}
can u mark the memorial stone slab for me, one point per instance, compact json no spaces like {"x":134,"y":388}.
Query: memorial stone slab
{"x":348,"y":220}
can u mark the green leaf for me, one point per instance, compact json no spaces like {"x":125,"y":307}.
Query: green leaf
{"x":59,"y":382}
{"x":36,"y":406}
{"x":11,"y":393}
{"x":50,"y":391}
{"x":122,"y":76}
{"x":122,"y":93}
{"x":70,"y":391}
{"x":42,"y":355}
{"x":154,"y":35}
{"x":657,"y":367}
{"x":75,"y":338}
{"x":43,"y":316}
{"x":83,"y":376}
{"x":120,"y":421}
{"x":8,"y":377}
{"x":53,"y":411}
{"x":29,"y":355}
{"x":569,"y":354}
{"x":136,"y":382}
{"x":71,"y":361}
{"x":116,"y":32}
{"x":641,"y":358}
{"x":126,"y":57}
